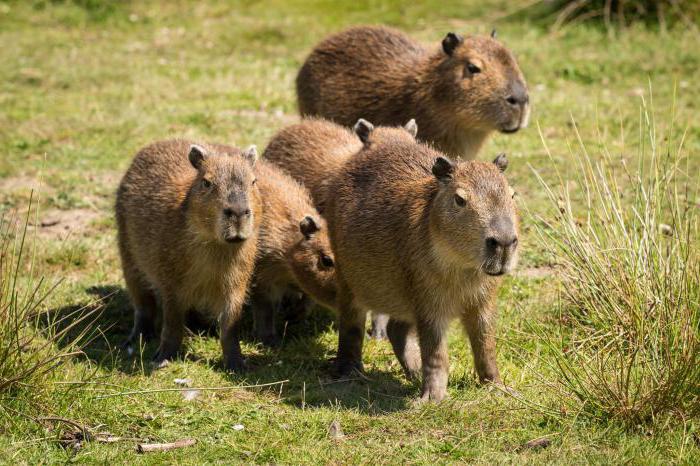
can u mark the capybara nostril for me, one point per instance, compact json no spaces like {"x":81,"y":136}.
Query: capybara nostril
{"x":492,"y":243}
{"x":228,"y":212}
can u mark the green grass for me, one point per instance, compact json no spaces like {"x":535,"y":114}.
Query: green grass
{"x":84,"y":84}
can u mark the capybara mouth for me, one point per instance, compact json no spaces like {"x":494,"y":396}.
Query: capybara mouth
{"x":510,"y":130}
{"x":235,"y":239}
{"x":495,"y":274}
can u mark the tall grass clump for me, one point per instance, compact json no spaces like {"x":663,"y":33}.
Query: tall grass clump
{"x":32,"y":342}
{"x":618,"y":13}
{"x":626,"y":234}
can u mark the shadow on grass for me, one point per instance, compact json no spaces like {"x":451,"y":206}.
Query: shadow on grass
{"x":302,"y":359}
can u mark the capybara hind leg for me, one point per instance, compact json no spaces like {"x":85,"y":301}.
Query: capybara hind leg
{"x":230,"y":342}
{"x":480,"y":326}
{"x":145,"y":306}
{"x":402,"y":336}
{"x":172,"y":332}
{"x":379,"y":326}
{"x":433,"y":347}
{"x":264,"y":310}
{"x":351,"y":334}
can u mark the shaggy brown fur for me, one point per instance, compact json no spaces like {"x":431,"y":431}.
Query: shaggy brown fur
{"x":293,"y":249}
{"x":312,"y":152}
{"x":458,"y":94}
{"x":188,"y":218}
{"x":424,"y":240}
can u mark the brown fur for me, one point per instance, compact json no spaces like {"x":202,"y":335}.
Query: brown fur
{"x":405,"y":246}
{"x":177,"y":242}
{"x":287,"y":257}
{"x":382,"y":75}
{"x":312,"y":152}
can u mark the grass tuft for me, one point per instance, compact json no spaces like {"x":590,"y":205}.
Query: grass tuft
{"x":32,"y":344}
{"x":627,"y":347}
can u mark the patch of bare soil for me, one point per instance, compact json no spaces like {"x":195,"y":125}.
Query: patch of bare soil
{"x":17,"y":183}
{"x":62,"y":224}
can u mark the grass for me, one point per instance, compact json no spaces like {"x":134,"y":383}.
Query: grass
{"x":83,"y":87}
{"x":629,"y":346}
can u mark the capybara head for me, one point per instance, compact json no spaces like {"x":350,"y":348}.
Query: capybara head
{"x":473,"y":217}
{"x":312,"y":260}
{"x":223,"y":198}
{"x":478,"y":79}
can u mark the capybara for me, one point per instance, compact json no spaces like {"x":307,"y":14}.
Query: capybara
{"x":188,"y":217}
{"x":293,"y":249}
{"x":458,"y":93}
{"x":312,"y":151}
{"x":425,"y":240}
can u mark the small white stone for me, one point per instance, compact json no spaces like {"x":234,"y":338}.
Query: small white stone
{"x":238,"y":427}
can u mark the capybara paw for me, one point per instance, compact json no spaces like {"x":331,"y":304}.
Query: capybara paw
{"x":271,"y":341}
{"x":343,"y":369}
{"x":163,"y":357}
{"x":378,"y":333}
{"x":235,"y":364}
{"x":433,"y":394}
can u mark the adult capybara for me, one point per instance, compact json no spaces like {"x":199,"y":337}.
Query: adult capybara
{"x":188,"y":217}
{"x":458,"y":93}
{"x":425,"y":240}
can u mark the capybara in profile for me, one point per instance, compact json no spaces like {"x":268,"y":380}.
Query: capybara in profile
{"x":458,"y":93}
{"x":425,"y":240}
{"x":188,"y":217}
{"x":312,"y":151}
{"x":294,"y":250}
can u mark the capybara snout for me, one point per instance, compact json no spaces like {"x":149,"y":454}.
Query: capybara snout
{"x":501,"y":248}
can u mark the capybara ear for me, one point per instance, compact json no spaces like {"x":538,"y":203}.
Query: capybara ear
{"x":197,"y":155}
{"x":501,"y":161}
{"x":363,"y":128}
{"x":411,"y":127}
{"x":450,"y":42}
{"x":308,"y":226}
{"x":251,"y":154}
{"x":493,"y":33}
{"x":443,"y":169}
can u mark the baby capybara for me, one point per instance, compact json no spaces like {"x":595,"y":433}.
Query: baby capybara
{"x":458,"y":93}
{"x":188,"y":217}
{"x":293,"y":249}
{"x":425,"y":240}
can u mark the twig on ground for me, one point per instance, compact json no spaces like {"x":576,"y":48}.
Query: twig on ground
{"x":151,"y":447}
{"x":186,"y":389}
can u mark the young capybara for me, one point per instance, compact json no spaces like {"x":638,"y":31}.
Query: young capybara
{"x":293,"y":249}
{"x":188,"y":217}
{"x":312,"y":151}
{"x":458,"y":94}
{"x":425,"y":240}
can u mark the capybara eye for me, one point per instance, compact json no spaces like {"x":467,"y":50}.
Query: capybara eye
{"x":473,"y":69}
{"x":459,"y":200}
{"x":327,"y":261}
{"x":255,"y":180}
{"x":206,"y":183}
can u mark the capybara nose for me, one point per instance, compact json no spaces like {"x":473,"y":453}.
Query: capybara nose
{"x":494,"y":242}
{"x":236,"y":212}
{"x":518,"y":95}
